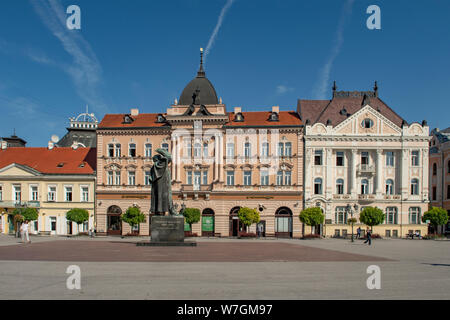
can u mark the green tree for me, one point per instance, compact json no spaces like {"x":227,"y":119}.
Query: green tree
{"x":191,"y":215}
{"x":133,"y":216}
{"x":30,"y":214}
{"x":78,"y":216}
{"x":437,"y":216}
{"x":371,"y":216}
{"x":248,"y":216}
{"x":312,"y":217}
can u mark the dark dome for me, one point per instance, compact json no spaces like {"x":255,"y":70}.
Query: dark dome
{"x":202,"y":88}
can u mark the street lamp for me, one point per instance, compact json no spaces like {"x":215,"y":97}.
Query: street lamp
{"x":349,"y":209}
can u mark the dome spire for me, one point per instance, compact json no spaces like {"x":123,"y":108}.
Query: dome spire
{"x":201,"y":71}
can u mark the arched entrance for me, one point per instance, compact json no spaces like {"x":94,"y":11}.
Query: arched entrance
{"x":283,"y":222}
{"x":235,"y":224}
{"x":113,"y":220}
{"x":208,"y":222}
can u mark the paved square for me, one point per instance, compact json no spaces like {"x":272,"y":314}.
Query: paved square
{"x":114,"y":268}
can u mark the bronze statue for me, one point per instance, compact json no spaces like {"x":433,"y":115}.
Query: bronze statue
{"x":161,"y":181}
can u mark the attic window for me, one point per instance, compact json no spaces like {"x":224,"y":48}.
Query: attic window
{"x":343,"y":112}
{"x":239,"y":117}
{"x":160,"y":118}
{"x":60,"y":165}
{"x":367,"y":123}
{"x":81,"y":165}
{"x":273,"y":116}
{"x":127,"y":119}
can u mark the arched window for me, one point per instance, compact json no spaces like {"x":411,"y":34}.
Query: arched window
{"x":389,"y":186}
{"x":318,"y":186}
{"x":340,"y":186}
{"x":434,"y":169}
{"x":364,"y":186}
{"x":415,"y":186}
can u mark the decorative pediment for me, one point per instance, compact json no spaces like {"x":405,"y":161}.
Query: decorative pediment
{"x":15,"y":169}
{"x":113,"y":166}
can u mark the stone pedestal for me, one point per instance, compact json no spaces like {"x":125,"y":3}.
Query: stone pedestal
{"x":167,"y":231}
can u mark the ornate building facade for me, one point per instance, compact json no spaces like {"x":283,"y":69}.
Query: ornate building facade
{"x":440,"y":172}
{"x":359,"y":152}
{"x":221,"y":161}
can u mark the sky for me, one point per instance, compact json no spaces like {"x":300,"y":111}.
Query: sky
{"x":258,"y":54}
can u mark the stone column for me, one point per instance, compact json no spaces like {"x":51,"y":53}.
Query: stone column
{"x":328,"y":181}
{"x":307,"y":173}
{"x":405,"y":176}
{"x":221,"y":158}
{"x":216,"y":157}
{"x":353,"y":168}
{"x":379,"y":173}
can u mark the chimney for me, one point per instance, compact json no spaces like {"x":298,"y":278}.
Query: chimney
{"x":50,"y":145}
{"x":135,"y":112}
{"x":237,"y":110}
{"x":276,"y":109}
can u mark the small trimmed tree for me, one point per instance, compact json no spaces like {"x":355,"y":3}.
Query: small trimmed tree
{"x":191,"y":215}
{"x":30,"y":214}
{"x":248,"y":216}
{"x":312,"y":217}
{"x":371,"y":216}
{"x":133,"y":216}
{"x":437,"y":216}
{"x":78,"y":216}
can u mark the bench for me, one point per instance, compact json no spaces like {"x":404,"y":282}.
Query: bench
{"x":413,"y":235}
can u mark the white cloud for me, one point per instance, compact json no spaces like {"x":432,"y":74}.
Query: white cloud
{"x":324,"y":75}
{"x":282,"y":89}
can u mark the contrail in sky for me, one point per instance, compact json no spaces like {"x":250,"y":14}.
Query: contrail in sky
{"x":324,"y":76}
{"x":218,"y":25}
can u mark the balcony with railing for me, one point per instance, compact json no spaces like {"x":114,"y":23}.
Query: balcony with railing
{"x":366,"y":168}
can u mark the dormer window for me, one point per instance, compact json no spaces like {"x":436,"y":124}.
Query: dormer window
{"x":160,"y":118}
{"x":273,"y":116}
{"x":239,"y":117}
{"x":127,"y":119}
{"x":60,"y":165}
{"x":367,"y":123}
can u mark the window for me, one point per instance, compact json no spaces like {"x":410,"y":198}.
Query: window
{"x":51,"y":194}
{"x":389,"y":159}
{"x":364,"y":186}
{"x":287,"y":149}
{"x":318,"y":157}
{"x":110,"y":178}
{"x":230,"y":178}
{"x":264,"y":177}
{"x":318,"y":186}
{"x":148,"y":150}
{"x":434,"y":169}
{"x":247,"y":178}
{"x":132,"y":150}
{"x":1,"y":193}
{"x":433,"y":194}
{"x":189,"y":177}
{"x":280,"y":149}
{"x":197,"y":177}
{"x":131,"y":178}
{"x":390,"y":186}
{"x":340,"y":186}
{"x":247,"y":150}
{"x":147,"y":178}
{"x":364,"y":158}
{"x":188,"y":149}
{"x":68,"y":194}
{"x":415,"y":158}
{"x":117,"y":178}
{"x":53,"y":223}
{"x":279,"y":178}
{"x":17,"y":194}
{"x":34,"y":193}
{"x":341,"y":215}
{"x":367,"y":123}
{"x":165,"y":146}
{"x":205,"y":177}
{"x":414,"y":186}
{"x":391,"y":215}
{"x":197,"y":150}
{"x":283,"y":224}
{"x":118,"y":149}
{"x":264,"y":149}
{"x":205,"y":150}
{"x":111,"y":150}
{"x":230,"y":150}
{"x":414,"y":215}
{"x":84,"y":194}
{"x":287,"y":178}
{"x":339,"y":159}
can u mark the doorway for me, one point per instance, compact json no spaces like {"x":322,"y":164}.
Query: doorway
{"x":114,"y":224}
{"x":235,"y":224}
{"x":208,"y":223}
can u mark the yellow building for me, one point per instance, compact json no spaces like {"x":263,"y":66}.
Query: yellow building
{"x":52,"y":180}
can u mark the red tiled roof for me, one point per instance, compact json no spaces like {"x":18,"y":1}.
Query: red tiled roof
{"x":323,"y":110}
{"x":141,"y":120}
{"x":261,"y":118}
{"x":47,"y":161}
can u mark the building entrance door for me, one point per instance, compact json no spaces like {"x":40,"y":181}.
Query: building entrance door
{"x":114,"y":224}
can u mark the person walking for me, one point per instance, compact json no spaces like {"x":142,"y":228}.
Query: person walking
{"x":369,"y":237}
{"x":24,"y":231}
{"x":358,"y":233}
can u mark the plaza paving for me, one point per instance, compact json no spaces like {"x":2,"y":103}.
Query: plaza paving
{"x":114,"y":268}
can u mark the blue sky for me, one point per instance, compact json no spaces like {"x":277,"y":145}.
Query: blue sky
{"x":141,"y":53}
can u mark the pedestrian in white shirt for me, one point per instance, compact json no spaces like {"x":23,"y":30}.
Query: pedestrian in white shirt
{"x":24,"y":231}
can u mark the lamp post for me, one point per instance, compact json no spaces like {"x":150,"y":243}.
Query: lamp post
{"x":349,"y":209}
